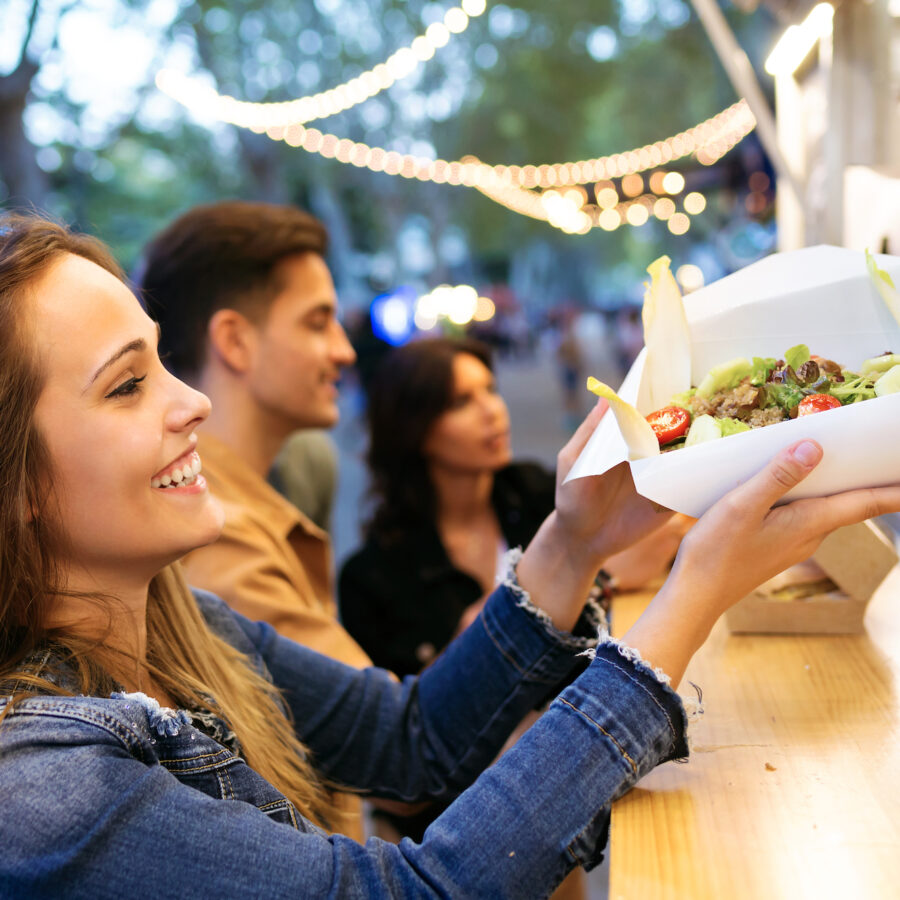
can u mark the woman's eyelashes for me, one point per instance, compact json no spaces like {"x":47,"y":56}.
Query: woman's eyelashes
{"x":127,"y":388}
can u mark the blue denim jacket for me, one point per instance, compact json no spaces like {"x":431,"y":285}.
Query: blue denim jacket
{"x":105,"y":797}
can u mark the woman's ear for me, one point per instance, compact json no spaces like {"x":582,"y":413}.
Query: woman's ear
{"x":231,"y":338}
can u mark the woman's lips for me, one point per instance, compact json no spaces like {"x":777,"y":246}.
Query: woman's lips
{"x":497,"y":440}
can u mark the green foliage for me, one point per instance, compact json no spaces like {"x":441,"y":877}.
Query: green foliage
{"x":544,"y":99}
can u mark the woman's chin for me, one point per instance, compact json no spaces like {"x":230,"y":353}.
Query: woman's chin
{"x":208,"y":533}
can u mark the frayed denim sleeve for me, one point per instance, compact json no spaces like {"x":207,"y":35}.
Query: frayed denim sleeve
{"x":591,"y":622}
{"x":544,"y":806}
{"x":427,"y":737}
{"x":91,"y":805}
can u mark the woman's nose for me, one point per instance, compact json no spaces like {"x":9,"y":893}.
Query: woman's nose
{"x":493,"y":405}
{"x":188,"y":407}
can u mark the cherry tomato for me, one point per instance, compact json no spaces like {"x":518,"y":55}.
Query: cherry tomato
{"x":817,"y":403}
{"x":669,"y":423}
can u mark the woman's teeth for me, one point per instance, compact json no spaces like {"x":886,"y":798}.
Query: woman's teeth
{"x":182,"y":477}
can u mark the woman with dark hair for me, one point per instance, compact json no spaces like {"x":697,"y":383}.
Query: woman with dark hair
{"x":449,"y":503}
{"x":153,"y":741}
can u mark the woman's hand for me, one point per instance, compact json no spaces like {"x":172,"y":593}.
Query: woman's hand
{"x":594,"y":518}
{"x":740,"y":542}
{"x":754,"y":540}
{"x":604,"y":514}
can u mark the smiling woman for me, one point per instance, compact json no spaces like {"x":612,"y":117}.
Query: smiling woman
{"x":141,"y":721}
{"x":113,"y":419}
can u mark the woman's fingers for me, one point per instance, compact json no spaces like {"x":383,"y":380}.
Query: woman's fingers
{"x":851,"y":507}
{"x":784,"y":472}
{"x":570,"y":452}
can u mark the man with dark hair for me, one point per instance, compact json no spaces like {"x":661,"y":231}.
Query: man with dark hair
{"x":248,"y":315}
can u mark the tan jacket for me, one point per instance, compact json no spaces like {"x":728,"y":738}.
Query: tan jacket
{"x":272,"y":564}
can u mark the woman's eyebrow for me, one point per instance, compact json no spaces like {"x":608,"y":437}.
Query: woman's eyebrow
{"x":139,"y":345}
{"x":136,"y":345}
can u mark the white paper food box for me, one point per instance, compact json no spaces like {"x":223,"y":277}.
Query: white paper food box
{"x":819,"y":296}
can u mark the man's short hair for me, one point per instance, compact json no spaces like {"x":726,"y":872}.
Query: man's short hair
{"x":220,"y":256}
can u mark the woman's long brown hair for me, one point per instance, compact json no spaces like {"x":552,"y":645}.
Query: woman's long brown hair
{"x":184,"y":656}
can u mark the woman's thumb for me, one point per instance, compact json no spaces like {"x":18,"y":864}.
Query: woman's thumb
{"x":782,"y":473}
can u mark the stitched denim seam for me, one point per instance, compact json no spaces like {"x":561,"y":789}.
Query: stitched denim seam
{"x":500,"y":649}
{"x":183,"y":759}
{"x":277,"y":805}
{"x":274,"y":804}
{"x":223,"y":794}
{"x":580,"y":836}
{"x":104,"y":721}
{"x":225,"y":786}
{"x":530,"y":671}
{"x":603,"y":731}
{"x":649,"y":693}
{"x":171,"y":765}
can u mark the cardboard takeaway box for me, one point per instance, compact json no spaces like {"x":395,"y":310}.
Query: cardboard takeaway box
{"x":818,"y":296}
{"x":848,"y":567}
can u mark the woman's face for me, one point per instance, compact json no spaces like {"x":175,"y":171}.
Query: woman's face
{"x":472,"y":435}
{"x":119,"y":429}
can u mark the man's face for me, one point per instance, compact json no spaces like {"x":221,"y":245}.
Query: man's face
{"x":300,"y":348}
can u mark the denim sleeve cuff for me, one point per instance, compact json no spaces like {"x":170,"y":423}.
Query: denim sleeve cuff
{"x":591,"y":622}
{"x":678,"y":711}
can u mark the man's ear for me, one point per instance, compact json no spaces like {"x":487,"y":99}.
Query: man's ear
{"x":232,"y":339}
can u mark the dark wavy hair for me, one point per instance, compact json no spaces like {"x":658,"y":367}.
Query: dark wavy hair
{"x":220,"y":256}
{"x":411,"y":388}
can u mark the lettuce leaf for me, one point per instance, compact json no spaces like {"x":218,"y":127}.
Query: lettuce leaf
{"x":639,"y":436}
{"x":667,"y":366}
{"x":786,"y":395}
{"x":796,"y":356}
{"x":729,"y":426}
{"x":884,"y":285}
{"x":852,"y":389}
{"x":684,"y":399}
{"x":762,"y":368}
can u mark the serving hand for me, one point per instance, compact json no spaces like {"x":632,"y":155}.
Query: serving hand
{"x":740,"y":542}
{"x":603,"y":513}
{"x":594,"y":518}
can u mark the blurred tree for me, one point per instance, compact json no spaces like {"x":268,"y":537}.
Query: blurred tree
{"x":24,"y":179}
{"x":527,"y":82}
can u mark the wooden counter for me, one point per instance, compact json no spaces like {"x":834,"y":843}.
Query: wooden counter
{"x":793,"y":786}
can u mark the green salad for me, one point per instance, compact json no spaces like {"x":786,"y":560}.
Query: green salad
{"x":742,"y":394}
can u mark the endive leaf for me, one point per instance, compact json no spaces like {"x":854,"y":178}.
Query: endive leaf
{"x":884,"y":285}
{"x":667,"y":365}
{"x":639,"y":436}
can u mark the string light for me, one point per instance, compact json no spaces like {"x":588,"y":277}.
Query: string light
{"x":459,"y":304}
{"x":678,"y":223}
{"x":260,"y":117}
{"x":694,"y":203}
{"x":555,"y":208}
{"x":709,"y":141}
{"x":562,"y":200}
